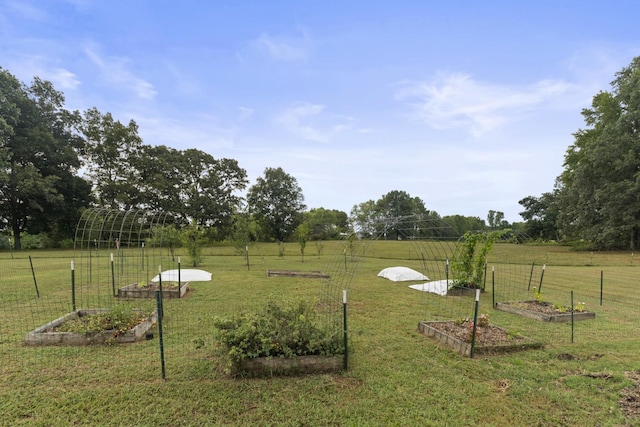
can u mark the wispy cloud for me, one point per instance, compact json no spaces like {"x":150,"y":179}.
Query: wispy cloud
{"x":26,"y":66}
{"x":116,"y":71}
{"x":62,"y":78}
{"x":26,"y":10}
{"x":459,"y":101}
{"x":312,"y":122}
{"x":281,"y":48}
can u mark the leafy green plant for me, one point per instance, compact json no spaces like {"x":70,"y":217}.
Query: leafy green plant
{"x":470,"y":257}
{"x":580,"y":307}
{"x":560,"y":308}
{"x":119,"y":320}
{"x":165,"y":285}
{"x":537,"y":295}
{"x":286,"y":329}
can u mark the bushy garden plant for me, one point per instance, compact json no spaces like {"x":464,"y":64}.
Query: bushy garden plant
{"x":119,"y":320}
{"x":286,"y":328}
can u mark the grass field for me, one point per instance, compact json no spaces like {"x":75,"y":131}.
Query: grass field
{"x":396,"y":376}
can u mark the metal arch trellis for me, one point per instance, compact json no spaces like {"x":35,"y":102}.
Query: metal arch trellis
{"x":432,"y":244}
{"x":113,"y":248}
{"x":432,"y":241}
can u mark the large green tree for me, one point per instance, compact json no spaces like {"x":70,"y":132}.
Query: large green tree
{"x":192,"y":185}
{"x":39,"y":187}
{"x":598,"y":189}
{"x":276,"y":201}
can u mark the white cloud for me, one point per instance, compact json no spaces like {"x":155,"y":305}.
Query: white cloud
{"x":63,"y":79}
{"x":281,"y":48}
{"x":115,"y":71}
{"x":459,"y":101}
{"x":311,"y":122}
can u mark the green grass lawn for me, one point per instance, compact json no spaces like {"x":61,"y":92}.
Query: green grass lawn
{"x":396,"y":375}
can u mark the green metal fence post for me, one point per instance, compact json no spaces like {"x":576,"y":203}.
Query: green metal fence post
{"x":33,"y":273}
{"x":572,"y":324}
{"x":344,"y":315}
{"x":113,"y":277}
{"x":179,"y":278}
{"x":493,"y":286}
{"x":475,"y":323}
{"x":160,"y":337}
{"x":73,"y":286}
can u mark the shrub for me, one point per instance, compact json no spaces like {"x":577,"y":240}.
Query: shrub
{"x":289,"y":329}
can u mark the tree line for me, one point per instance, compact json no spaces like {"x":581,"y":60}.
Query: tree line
{"x":595,"y":202}
{"x":55,"y":163}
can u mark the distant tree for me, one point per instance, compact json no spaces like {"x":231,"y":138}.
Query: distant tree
{"x":209,"y":189}
{"x":113,"y":151}
{"x":598,"y":189}
{"x":324,"y":223}
{"x":276,"y":201}
{"x":190,"y":184}
{"x":161,"y":178}
{"x":540,"y":215}
{"x":302,"y":233}
{"x":245,"y":230}
{"x":395,"y":215}
{"x":365,"y":218}
{"x":462,"y":224}
{"x":496,"y":220}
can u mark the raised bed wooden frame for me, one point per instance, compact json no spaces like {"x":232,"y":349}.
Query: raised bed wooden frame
{"x":133,"y":291}
{"x":269,"y":366}
{"x":296,"y":273}
{"x":464,"y":348}
{"x":44,"y":335}
{"x":545,"y":317}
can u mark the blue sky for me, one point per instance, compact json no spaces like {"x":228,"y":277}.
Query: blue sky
{"x":469,"y":105}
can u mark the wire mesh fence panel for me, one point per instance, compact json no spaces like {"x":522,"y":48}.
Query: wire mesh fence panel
{"x":572,"y":283}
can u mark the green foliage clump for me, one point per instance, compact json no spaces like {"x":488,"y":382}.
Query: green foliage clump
{"x":119,"y":320}
{"x":194,"y":241}
{"x":288,"y":329}
{"x":537,"y":294}
{"x":470,"y":257}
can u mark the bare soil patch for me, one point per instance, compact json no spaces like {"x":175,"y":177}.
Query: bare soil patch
{"x":489,"y":335}
{"x":630,"y":396}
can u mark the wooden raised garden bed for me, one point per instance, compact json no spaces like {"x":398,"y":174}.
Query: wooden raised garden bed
{"x":296,"y":273}
{"x":48,"y":335}
{"x":543,"y":311}
{"x":267,"y":366}
{"x":149,"y":290}
{"x":490,"y":339}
